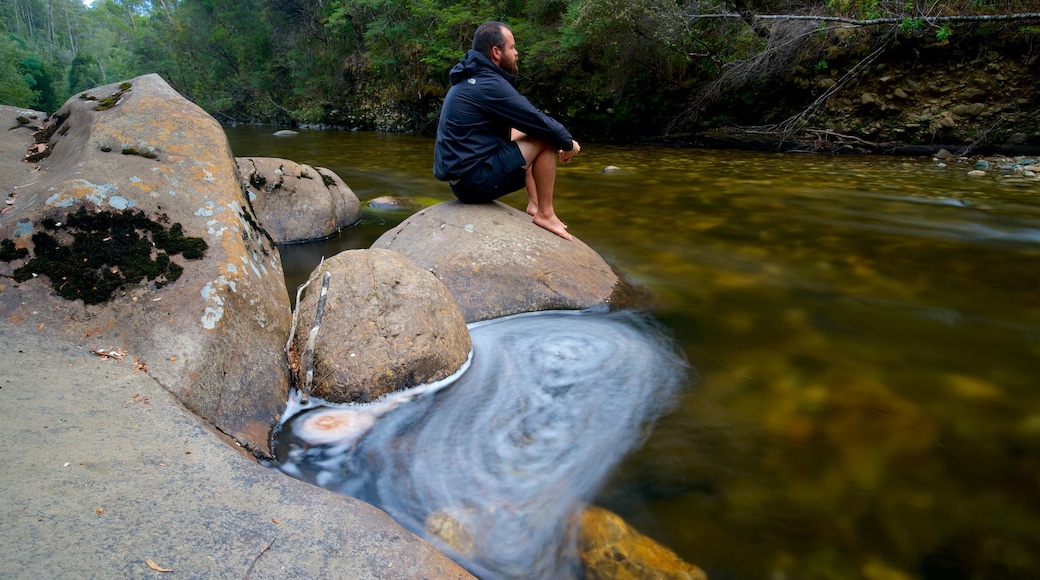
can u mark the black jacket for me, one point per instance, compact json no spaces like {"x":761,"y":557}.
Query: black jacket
{"x":480,"y":108}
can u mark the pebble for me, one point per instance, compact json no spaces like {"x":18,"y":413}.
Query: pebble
{"x":1022,"y":168}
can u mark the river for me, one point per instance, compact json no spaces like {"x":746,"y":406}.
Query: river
{"x":866,"y":331}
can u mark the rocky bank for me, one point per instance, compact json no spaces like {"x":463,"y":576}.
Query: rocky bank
{"x":916,"y":96}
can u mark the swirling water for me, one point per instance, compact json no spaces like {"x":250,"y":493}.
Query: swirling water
{"x":495,"y":465}
{"x":866,"y":331}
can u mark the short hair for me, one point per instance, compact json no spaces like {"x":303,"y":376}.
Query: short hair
{"x":488,"y":35}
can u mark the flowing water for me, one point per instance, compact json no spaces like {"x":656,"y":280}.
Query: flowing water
{"x":865,"y":333}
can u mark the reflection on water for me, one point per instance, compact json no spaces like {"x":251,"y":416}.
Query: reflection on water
{"x":494,"y":467}
{"x":867,"y":332}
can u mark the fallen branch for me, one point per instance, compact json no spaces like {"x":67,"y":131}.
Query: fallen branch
{"x":308,"y":352}
{"x":299,"y":291}
{"x":845,"y":137}
{"x":267,"y":547}
{"x":875,"y":21}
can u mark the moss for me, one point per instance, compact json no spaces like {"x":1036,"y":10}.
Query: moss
{"x":9,"y":252}
{"x":23,"y":120}
{"x":96,"y":254}
{"x":127,"y":150}
{"x":174,"y":241}
{"x":256,"y":180}
{"x":327,"y":180}
{"x":108,"y":103}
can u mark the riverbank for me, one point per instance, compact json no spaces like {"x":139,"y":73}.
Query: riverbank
{"x":974,"y":94}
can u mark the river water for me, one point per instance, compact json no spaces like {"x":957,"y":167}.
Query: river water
{"x":865,"y":333}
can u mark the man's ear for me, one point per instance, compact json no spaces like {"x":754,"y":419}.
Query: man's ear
{"x":496,"y":54}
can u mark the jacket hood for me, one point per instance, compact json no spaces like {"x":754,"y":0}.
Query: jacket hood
{"x":472,"y":64}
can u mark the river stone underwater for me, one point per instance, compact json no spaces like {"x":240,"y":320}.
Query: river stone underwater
{"x":866,"y":332}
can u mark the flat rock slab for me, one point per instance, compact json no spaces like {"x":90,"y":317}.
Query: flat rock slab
{"x":17,"y":126}
{"x":496,"y":262}
{"x":112,"y":472}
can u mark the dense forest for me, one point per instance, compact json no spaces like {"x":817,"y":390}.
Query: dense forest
{"x":609,"y":69}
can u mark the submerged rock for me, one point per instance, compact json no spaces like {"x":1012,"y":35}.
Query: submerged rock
{"x":171,"y":271}
{"x":496,"y":262}
{"x":387,"y":325}
{"x":612,"y":550}
{"x":295,"y":202}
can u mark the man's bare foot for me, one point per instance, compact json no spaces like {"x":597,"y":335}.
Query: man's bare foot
{"x":532,"y":210}
{"x":553,"y":224}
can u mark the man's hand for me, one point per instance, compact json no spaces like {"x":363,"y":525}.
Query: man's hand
{"x":565,"y":156}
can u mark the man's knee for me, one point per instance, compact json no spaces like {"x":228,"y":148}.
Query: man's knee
{"x":531,"y":148}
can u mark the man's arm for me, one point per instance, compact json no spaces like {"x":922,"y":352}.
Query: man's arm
{"x":518,"y":112}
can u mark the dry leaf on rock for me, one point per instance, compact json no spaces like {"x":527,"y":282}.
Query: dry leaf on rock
{"x":156,"y":567}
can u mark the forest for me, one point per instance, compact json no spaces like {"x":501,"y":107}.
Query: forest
{"x":611,"y":70}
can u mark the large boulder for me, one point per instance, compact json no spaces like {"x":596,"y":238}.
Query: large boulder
{"x":386,"y":325}
{"x":496,"y":262}
{"x":295,"y":202}
{"x":135,"y":236}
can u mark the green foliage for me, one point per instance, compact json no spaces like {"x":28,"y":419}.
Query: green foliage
{"x":15,"y":88}
{"x":944,"y":32}
{"x":911,"y":24}
{"x":606,"y":68}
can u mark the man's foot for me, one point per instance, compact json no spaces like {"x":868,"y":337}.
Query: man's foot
{"x":553,"y":224}
{"x":532,"y":210}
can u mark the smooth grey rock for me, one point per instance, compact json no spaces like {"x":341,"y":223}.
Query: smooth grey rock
{"x":17,"y":126}
{"x":112,"y":472}
{"x":296,"y":202}
{"x":496,"y":262}
{"x":215,"y":337}
{"x":387,"y":325}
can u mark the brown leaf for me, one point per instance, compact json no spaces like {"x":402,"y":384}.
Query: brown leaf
{"x":156,"y":567}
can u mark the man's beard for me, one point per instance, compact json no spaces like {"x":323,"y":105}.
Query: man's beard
{"x":509,"y":65}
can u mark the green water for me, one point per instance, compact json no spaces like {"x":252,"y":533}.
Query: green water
{"x":867,"y":333}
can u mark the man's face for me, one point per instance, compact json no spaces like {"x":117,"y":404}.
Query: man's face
{"x":508,"y":54}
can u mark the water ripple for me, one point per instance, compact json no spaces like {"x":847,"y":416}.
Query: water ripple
{"x":493,"y":468}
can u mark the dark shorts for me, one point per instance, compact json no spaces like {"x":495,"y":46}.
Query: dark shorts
{"x":501,"y":173}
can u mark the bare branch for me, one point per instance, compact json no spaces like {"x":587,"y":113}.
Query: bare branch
{"x":875,"y":21}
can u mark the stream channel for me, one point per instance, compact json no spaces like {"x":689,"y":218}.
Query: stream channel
{"x":863,"y":332}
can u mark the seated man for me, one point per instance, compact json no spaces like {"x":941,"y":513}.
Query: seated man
{"x":491,"y":140}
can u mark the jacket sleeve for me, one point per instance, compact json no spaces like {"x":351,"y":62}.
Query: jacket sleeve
{"x":503,"y":101}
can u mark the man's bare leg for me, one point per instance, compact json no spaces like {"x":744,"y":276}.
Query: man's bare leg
{"x":540,"y":182}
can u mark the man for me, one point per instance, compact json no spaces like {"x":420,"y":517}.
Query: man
{"x":491,"y":140}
